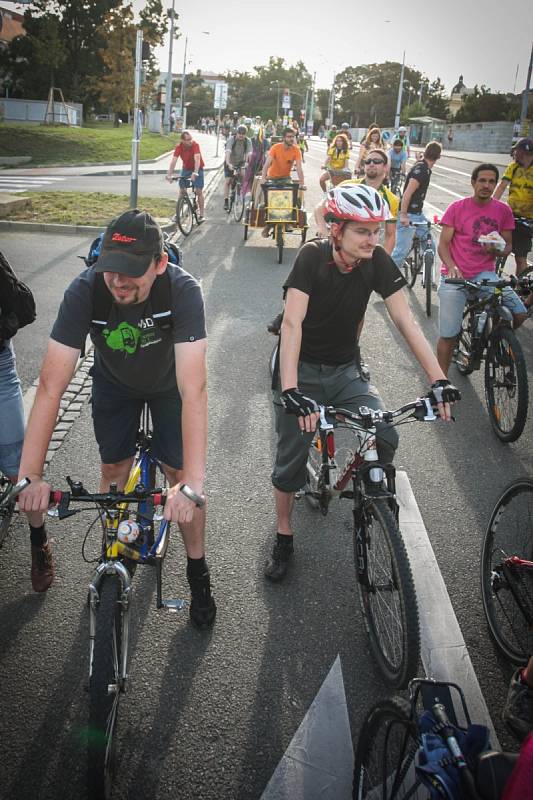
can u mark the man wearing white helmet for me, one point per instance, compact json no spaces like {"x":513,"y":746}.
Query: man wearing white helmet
{"x":404,"y":136}
{"x":345,"y":129}
{"x":326,"y":296}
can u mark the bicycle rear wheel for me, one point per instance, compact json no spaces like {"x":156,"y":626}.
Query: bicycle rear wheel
{"x":387,"y":595}
{"x":279,"y":241}
{"x":506,"y":386}
{"x":385,"y":754}
{"x":184,"y":215}
{"x":463,"y":351}
{"x":104,"y":690}
{"x":238,"y":203}
{"x":415,"y":265}
{"x":429,"y":261}
{"x":509,"y":533}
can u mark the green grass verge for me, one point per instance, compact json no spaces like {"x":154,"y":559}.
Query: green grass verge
{"x":50,"y":145}
{"x":86,"y":208}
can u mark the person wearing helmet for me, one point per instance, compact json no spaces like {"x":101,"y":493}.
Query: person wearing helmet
{"x":345,"y":129}
{"x":326,"y":296}
{"x":331,"y":134}
{"x":404,"y":138}
{"x":237,"y":154}
{"x":518,"y":178}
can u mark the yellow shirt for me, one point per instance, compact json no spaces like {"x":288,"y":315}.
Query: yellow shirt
{"x":520,"y":189}
{"x":338,"y":159}
{"x":389,"y":197}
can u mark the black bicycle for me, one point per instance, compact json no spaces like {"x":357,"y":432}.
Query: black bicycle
{"x":397,"y":180}
{"x":487,"y":333}
{"x":507,"y":572}
{"x":187,"y":208}
{"x":384,"y":579}
{"x":421,"y":261}
{"x":418,"y":749}
{"x":8,"y":496}
{"x":527,"y":225}
{"x":236,"y":197}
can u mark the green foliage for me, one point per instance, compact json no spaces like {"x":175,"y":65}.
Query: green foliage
{"x":416,"y":109}
{"x":483,"y":106}
{"x":116,"y":86}
{"x":257,"y":93}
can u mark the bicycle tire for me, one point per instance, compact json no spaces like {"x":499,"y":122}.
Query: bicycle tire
{"x":238,"y":204}
{"x":415,"y":265}
{"x":304,"y":235}
{"x":158,"y":480}
{"x":6,"y":510}
{"x":429,"y":261}
{"x":509,"y":533}
{"x":279,"y":242}
{"x":314,"y":469}
{"x":103,"y":702}
{"x":385,"y":754}
{"x":463,"y":351}
{"x":184,"y":215}
{"x":506,"y":386}
{"x":393,"y":623}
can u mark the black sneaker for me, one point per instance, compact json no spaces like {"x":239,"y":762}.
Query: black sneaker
{"x":226,"y":204}
{"x":518,"y":709}
{"x":203,"y":608}
{"x":278,"y":563}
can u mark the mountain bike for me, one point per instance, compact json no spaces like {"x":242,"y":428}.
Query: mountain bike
{"x":133,"y":533}
{"x":8,"y":495}
{"x":384,"y":579}
{"x":187,"y":207}
{"x":487,"y":333}
{"x":421,"y":261}
{"x":397,"y":180}
{"x":507,"y":572}
{"x":419,"y":749}
{"x":236,"y":197}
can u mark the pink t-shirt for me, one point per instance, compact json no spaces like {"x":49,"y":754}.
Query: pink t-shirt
{"x":470,"y":221}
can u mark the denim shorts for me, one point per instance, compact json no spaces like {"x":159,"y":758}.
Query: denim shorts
{"x":452,"y":301}
{"x":11,"y":413}
{"x":116,"y":417}
{"x":185,"y":176}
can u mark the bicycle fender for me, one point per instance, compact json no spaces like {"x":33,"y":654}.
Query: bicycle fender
{"x":504,"y":313}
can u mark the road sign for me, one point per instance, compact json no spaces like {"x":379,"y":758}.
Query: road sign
{"x":286,"y":99}
{"x":290,"y":112}
{"x":221,"y":95}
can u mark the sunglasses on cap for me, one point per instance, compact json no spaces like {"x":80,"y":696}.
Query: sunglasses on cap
{"x":374,"y":161}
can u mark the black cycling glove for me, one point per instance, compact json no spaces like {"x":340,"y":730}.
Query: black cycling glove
{"x":297,"y":403}
{"x":444,"y":392}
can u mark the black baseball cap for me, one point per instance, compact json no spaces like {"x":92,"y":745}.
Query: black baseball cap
{"x":524,"y":144}
{"x":130,"y":244}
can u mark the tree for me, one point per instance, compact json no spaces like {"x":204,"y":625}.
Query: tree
{"x":154,"y":24}
{"x":436,"y":101}
{"x":416,"y":109}
{"x":116,"y":86}
{"x":484,"y":106}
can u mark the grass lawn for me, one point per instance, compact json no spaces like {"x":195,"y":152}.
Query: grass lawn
{"x":59,"y":145}
{"x":86,"y":208}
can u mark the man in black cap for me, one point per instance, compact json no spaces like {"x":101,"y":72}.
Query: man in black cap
{"x":137,"y":359}
{"x":518,"y":178}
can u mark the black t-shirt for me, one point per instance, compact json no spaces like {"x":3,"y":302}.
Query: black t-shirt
{"x":337,"y":300}
{"x":133,"y":351}
{"x":422,"y":173}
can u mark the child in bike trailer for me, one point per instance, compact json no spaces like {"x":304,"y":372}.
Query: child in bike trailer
{"x":326,"y":296}
{"x":140,"y":355}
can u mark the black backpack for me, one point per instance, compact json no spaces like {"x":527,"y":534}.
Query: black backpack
{"x":17,"y":304}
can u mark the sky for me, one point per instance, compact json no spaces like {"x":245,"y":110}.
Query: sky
{"x":467,"y":37}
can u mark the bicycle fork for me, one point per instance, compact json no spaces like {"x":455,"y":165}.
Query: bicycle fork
{"x":118,"y":569}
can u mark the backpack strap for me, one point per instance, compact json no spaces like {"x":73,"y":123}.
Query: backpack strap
{"x":161,"y":301}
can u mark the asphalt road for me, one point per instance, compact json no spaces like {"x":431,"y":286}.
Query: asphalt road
{"x":210,"y":715}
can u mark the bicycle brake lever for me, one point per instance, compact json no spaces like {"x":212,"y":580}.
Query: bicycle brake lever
{"x":62,"y":507}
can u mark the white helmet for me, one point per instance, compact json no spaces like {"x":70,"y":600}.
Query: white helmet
{"x":355,"y":202}
{"x":402,"y":129}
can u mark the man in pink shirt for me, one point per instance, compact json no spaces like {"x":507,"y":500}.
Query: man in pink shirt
{"x":463,"y":256}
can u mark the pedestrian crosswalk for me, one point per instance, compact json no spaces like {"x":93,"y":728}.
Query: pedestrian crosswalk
{"x":23,"y":183}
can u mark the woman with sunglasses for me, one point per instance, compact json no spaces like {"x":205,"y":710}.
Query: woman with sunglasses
{"x":336,"y":166}
{"x":373,"y":139}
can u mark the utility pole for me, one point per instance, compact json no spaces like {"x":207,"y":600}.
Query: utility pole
{"x":525,"y":97}
{"x":277,"y":104}
{"x":137,"y":128}
{"x":168,"y":93}
{"x":304,"y":126}
{"x":183,"y":79}
{"x":331,"y":109}
{"x":400,"y":90}
{"x":312,"y":104}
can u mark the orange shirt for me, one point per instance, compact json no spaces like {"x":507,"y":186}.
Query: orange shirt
{"x":282,"y":160}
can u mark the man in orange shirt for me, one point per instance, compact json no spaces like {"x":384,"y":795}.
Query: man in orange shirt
{"x":279,"y":163}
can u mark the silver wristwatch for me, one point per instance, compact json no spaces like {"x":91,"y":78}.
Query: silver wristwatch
{"x":190,"y":494}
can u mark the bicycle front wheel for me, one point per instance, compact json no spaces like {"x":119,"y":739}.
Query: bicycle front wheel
{"x":279,"y":241}
{"x":506,"y":387}
{"x":314,"y":487}
{"x":184,"y":215}
{"x":238,"y":204}
{"x":463,"y":352}
{"x":415,"y":265}
{"x":6,"y":509}
{"x":429,"y":261}
{"x":104,"y":690}
{"x":508,"y":594}
{"x":385,"y":756}
{"x":387,"y":595}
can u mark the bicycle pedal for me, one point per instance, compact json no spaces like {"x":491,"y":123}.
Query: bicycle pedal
{"x":175,"y":605}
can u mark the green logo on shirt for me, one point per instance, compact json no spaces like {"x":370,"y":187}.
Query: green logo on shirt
{"x":124,"y":338}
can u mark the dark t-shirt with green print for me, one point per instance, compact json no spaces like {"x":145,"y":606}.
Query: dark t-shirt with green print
{"x":133,"y":352}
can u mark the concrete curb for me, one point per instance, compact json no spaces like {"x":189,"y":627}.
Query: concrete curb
{"x":91,"y":230}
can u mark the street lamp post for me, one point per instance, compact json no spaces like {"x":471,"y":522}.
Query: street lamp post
{"x":525,"y":97}
{"x":168,"y":93}
{"x":400,"y":90}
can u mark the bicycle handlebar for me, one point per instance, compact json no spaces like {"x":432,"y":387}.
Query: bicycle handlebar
{"x":424,"y":410}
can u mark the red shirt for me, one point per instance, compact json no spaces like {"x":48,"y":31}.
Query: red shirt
{"x":187,"y":155}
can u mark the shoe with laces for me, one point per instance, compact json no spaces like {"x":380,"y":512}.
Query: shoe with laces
{"x":42,"y":567}
{"x":200,"y":219}
{"x":518,"y":709}
{"x":203,"y":608}
{"x":277,"y":565}
{"x":226,"y":204}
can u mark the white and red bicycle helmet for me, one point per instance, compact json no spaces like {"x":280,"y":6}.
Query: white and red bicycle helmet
{"x":355,"y":202}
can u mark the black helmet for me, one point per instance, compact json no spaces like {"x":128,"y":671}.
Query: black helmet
{"x":525,"y":144}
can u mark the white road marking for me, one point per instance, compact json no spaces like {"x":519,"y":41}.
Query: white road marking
{"x":19,"y":183}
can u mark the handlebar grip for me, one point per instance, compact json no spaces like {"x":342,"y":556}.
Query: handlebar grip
{"x":456,"y":281}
